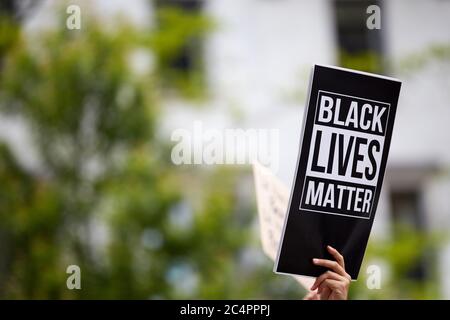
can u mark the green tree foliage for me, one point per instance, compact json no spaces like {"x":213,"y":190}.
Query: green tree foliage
{"x":85,"y":109}
{"x":105,"y":195}
{"x":401,"y":256}
{"x":90,"y":116}
{"x":365,"y":61}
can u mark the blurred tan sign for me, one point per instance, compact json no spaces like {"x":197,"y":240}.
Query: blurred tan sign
{"x":272,"y":198}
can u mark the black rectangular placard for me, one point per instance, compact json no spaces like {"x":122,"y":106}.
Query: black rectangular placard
{"x":347,"y":132}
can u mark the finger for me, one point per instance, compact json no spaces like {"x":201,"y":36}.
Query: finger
{"x":332,"y":265}
{"x":324,"y":276}
{"x":336,"y":255}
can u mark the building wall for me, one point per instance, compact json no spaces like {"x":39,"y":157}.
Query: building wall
{"x":422,"y":135}
{"x":262,"y":51}
{"x":258,"y":61}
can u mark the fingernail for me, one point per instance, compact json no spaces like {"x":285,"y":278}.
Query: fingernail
{"x":315,"y":260}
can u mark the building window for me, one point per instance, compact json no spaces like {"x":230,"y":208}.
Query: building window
{"x":181,"y":25}
{"x":407,"y":213}
{"x":358,"y":47}
{"x":406,"y":209}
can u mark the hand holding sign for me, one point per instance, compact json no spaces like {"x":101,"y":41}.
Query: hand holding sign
{"x":272,"y":200}
{"x":345,"y":142}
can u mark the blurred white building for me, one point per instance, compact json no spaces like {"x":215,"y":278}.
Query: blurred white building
{"x":257,"y":63}
{"x":259,"y":58}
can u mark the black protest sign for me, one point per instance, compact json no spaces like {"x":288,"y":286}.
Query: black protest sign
{"x":344,"y":147}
